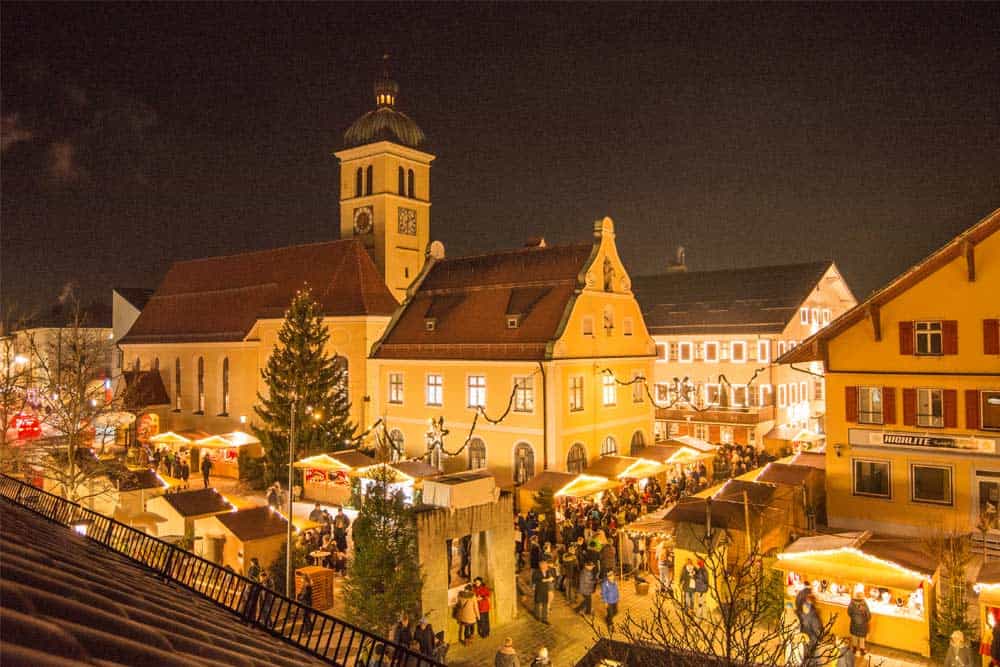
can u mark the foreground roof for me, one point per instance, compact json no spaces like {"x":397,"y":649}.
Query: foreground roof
{"x":536,"y":284}
{"x":254,"y":523}
{"x":69,"y":601}
{"x":198,"y":503}
{"x":221,"y":298}
{"x":760,"y":299}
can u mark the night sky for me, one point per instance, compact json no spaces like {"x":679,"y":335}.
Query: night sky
{"x":137,"y":135}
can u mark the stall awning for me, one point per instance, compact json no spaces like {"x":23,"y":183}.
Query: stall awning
{"x":346,"y":461}
{"x":642,"y":468}
{"x":401,"y":472}
{"x":651,"y":524}
{"x":170,"y":438}
{"x":227,"y":440}
{"x":609,"y":466}
{"x":793,"y":434}
{"x":587,"y":485}
{"x":861,"y":557}
{"x":695,"y":443}
{"x":548,"y":479}
{"x":673,"y":453}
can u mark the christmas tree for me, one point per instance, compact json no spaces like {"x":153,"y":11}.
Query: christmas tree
{"x":301,"y":376}
{"x":384,"y":576}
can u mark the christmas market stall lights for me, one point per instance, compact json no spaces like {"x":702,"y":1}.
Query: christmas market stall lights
{"x":327,"y":477}
{"x":987,"y":586}
{"x":225,"y":451}
{"x":894,"y":577}
{"x":404,"y":476}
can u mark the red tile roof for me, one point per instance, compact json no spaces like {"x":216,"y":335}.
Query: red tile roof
{"x":469,"y":299}
{"x":220,"y":298}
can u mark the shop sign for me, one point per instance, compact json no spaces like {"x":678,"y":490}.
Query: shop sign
{"x":921,"y":440}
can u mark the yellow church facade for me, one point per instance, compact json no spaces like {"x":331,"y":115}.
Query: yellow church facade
{"x":541,"y":340}
{"x":913,"y":395}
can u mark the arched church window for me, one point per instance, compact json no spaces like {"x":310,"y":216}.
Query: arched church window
{"x":369,"y":177}
{"x":225,"y":386}
{"x":402,"y":182}
{"x":410,"y":188}
{"x":524,"y":463}
{"x":609,"y":447}
{"x":358,"y":178}
{"x":177,"y":384}
{"x":477,"y":454}
{"x":637,"y":443}
{"x":201,"y":385}
{"x":576,"y":460}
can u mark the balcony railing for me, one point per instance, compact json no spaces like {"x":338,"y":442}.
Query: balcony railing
{"x":331,"y":639}
{"x":748,"y":416}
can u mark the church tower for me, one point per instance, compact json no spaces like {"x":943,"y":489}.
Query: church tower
{"x":385,"y":179}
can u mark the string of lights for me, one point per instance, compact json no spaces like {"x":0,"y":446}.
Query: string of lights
{"x":680,"y":395}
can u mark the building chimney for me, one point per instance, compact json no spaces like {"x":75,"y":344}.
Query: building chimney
{"x":678,"y":263}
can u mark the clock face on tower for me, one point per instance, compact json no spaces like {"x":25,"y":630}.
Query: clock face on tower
{"x":363,"y":217}
{"x":407,"y":223}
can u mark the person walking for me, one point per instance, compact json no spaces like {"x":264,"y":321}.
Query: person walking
{"x":588,"y":582}
{"x":688,"y":583}
{"x":700,"y":586}
{"x":185,"y":473}
{"x":506,"y":655}
{"x":206,"y":468}
{"x":860,"y":617}
{"x":341,"y":523}
{"x":541,"y":658}
{"x":424,"y":636}
{"x":466,"y":613}
{"x":544,"y":581}
{"x":273,"y":497}
{"x":483,"y":594}
{"x":402,"y":632}
{"x":571,"y":574}
{"x":610,"y":594}
{"x":663,"y":564}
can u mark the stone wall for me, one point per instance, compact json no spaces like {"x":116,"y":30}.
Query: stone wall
{"x":492,"y":528}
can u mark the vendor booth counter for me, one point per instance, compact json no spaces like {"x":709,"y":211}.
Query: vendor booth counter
{"x":897,"y":578}
{"x":327,"y":477}
{"x":224,"y":449}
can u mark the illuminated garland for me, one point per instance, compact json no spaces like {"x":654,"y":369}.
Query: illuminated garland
{"x":856,"y":552}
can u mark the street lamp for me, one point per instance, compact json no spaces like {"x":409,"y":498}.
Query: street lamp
{"x":289,"y":583}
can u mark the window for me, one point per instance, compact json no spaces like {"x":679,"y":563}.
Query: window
{"x":765,"y":394}
{"x":712,"y":394}
{"x":803,"y":391}
{"x":609,"y":447}
{"x":826,"y":316}
{"x":576,"y":393}
{"x":672,"y":352}
{"x":739,"y":397}
{"x":512,"y":322}
{"x":804,"y":316}
{"x":684,"y":352}
{"x":177,"y":384}
{"x":930,"y":407}
{"x":609,"y":390}
{"x":711,"y":352}
{"x":524,"y":394}
{"x":524,"y":463}
{"x":576,"y":460}
{"x":872,"y":478}
{"x":661,"y":352}
{"x":477,"y":454}
{"x":396,"y":388}
{"x":738,"y":351}
{"x":476,"y":394}
{"x":782,"y":396}
{"x":638,"y":386}
{"x":793,"y":393}
{"x":201,"y":385}
{"x":817,"y":390}
{"x":411,"y":189}
{"x":869,"y":405}
{"x":781,"y":347}
{"x":928,"y":337}
{"x":430,"y":324}
{"x":637,"y":442}
{"x":369,"y":178}
{"x":396,"y":445}
{"x":359,"y":183}
{"x":930,"y":484}
{"x":156,"y":363}
{"x":764,"y":351}
{"x":402,"y":182}
{"x":726,"y":434}
{"x":990,"y":409}
{"x":662,"y":392}
{"x":225,"y":386}
{"x":588,"y":326}
{"x":435,"y":386}
{"x":701,"y":431}
{"x":814,"y":313}
{"x":627,"y":326}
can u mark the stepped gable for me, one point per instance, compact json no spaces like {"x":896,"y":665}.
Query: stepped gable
{"x":69,"y":601}
{"x":221,"y":298}
{"x":470,"y":300}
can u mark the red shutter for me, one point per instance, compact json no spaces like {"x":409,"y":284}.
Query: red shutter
{"x":991,"y":336}
{"x":888,"y":405}
{"x":950,"y":408}
{"x":949,"y":337}
{"x":909,"y":407}
{"x":972,"y":409}
{"x":851,"y":404}
{"x":906,"y":337}
{"x":714,"y":434}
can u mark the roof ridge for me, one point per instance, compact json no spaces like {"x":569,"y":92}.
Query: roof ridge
{"x":265,"y":251}
{"x":512,"y":251}
{"x":760,"y":267}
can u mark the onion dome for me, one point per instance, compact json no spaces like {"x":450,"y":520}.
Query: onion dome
{"x":384,"y":123}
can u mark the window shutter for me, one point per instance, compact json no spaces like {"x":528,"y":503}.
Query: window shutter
{"x":888,"y":405}
{"x":950,"y":408}
{"x":906,"y":337}
{"x":949,"y":337}
{"x":972,"y":409}
{"x":991,"y":336}
{"x":851,"y":404}
{"x":910,"y":407}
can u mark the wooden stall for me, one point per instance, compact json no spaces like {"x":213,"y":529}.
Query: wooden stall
{"x":898,"y":578}
{"x":405,"y":476}
{"x":225,"y":450}
{"x":326,"y":478}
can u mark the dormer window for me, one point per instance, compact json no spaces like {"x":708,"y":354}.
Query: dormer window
{"x":513,"y":321}
{"x":430,"y":324}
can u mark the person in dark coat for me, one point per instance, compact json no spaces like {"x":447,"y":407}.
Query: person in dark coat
{"x":544,"y":580}
{"x":206,"y":468}
{"x":341,"y":523}
{"x":861,"y":618}
{"x":809,"y":622}
{"x":588,"y":583}
{"x":800,"y":597}
{"x":304,"y":598}
{"x":506,"y":655}
{"x":402,"y":632}
{"x":424,"y":636}
{"x":534,"y":553}
{"x":700,"y":586}
{"x":570,"y":571}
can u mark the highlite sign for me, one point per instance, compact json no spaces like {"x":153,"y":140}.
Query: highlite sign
{"x":864,"y":437}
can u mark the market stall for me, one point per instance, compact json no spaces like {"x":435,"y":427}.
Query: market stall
{"x":326,"y":478}
{"x":987,"y":586}
{"x":785,"y":440}
{"x":897,"y":577}
{"x":651,"y":529}
{"x":678,"y":458}
{"x":404,"y":476}
{"x":225,"y":451}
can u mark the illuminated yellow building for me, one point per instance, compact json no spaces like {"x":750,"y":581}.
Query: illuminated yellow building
{"x":913,"y":400}
{"x":527,"y":335}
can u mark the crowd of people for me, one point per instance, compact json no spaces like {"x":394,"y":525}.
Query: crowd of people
{"x":733,"y":460}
